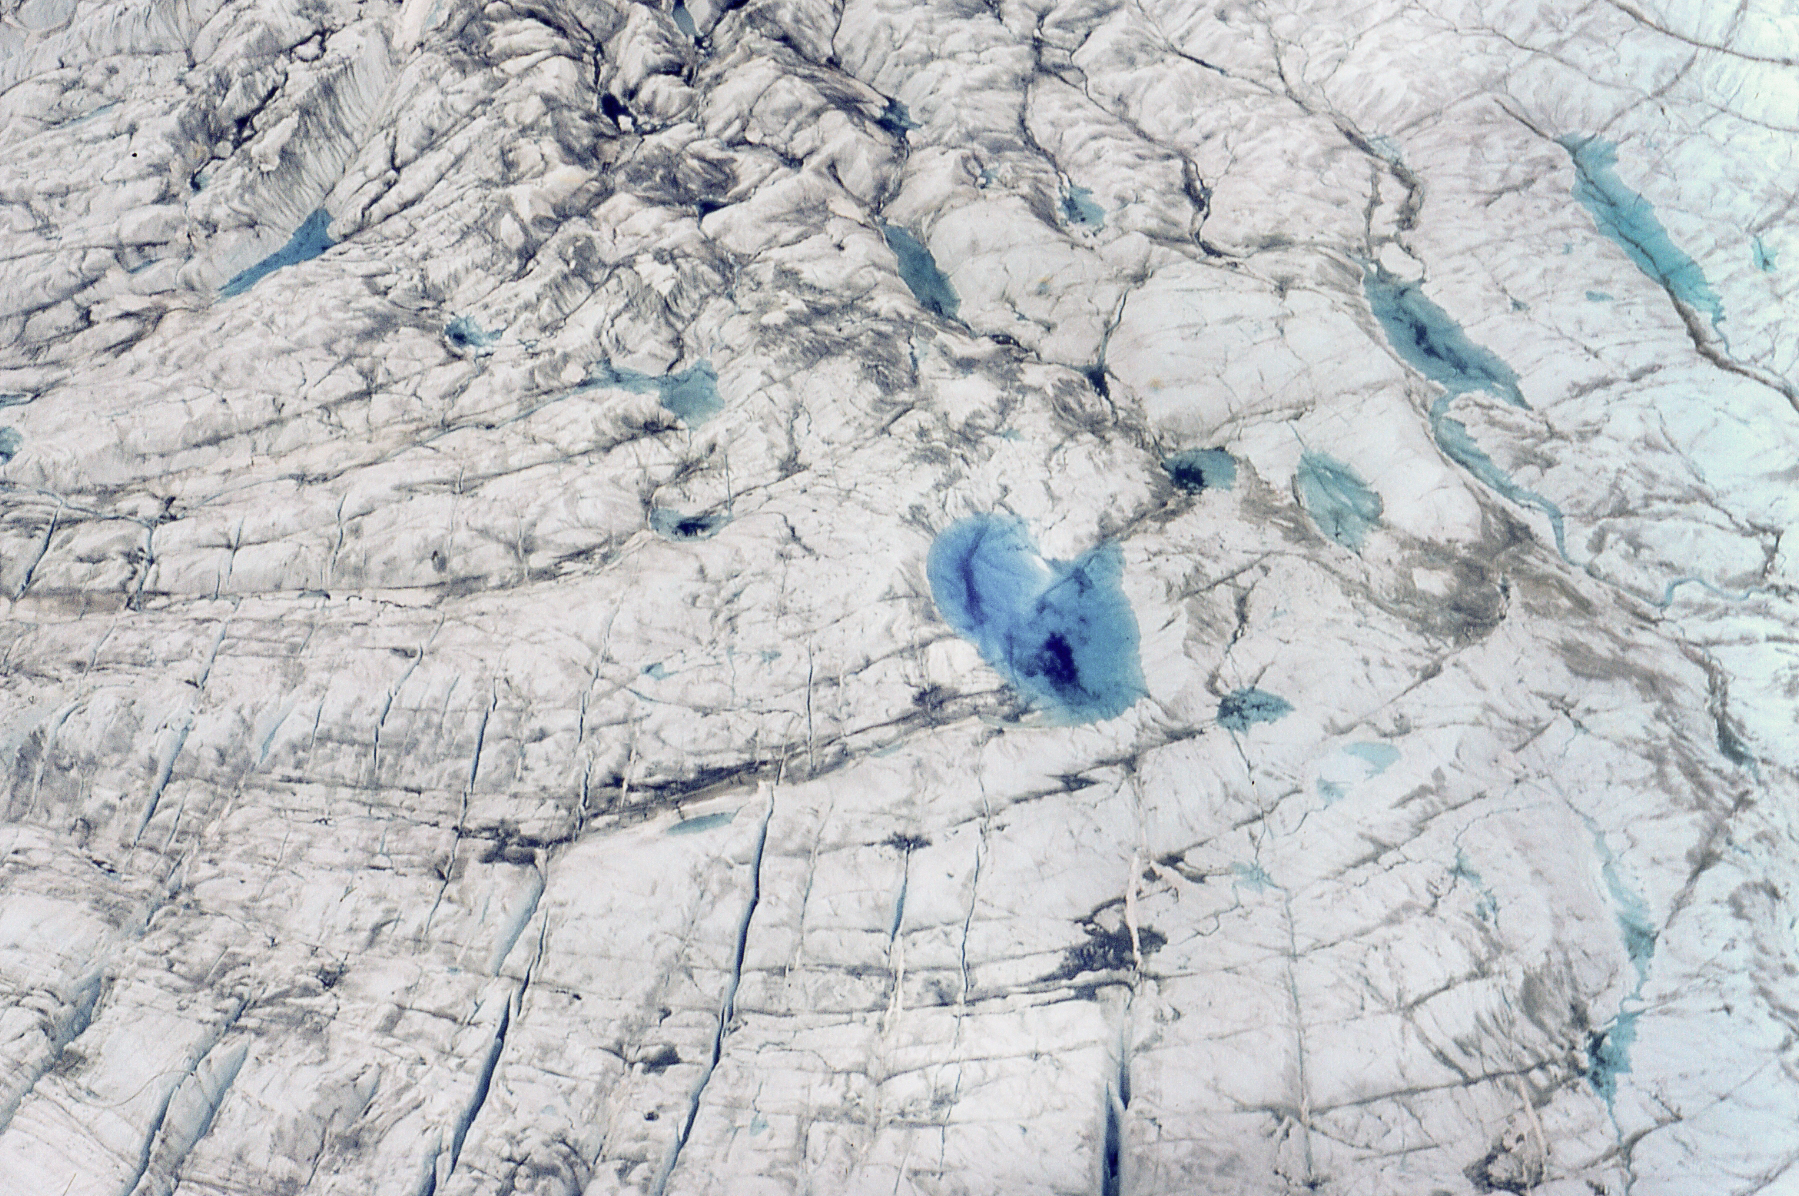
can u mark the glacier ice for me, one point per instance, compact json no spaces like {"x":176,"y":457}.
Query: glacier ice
{"x":897,"y":596}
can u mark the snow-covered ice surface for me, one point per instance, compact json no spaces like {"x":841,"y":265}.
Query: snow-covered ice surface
{"x":475,"y":717}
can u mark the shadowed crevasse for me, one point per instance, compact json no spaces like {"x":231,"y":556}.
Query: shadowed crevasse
{"x":1061,"y":632}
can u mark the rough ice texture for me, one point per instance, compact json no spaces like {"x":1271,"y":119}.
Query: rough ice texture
{"x":474,"y":712}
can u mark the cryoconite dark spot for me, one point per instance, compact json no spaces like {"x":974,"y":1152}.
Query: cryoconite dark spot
{"x":1061,"y":632}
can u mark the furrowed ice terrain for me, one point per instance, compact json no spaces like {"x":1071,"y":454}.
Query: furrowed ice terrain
{"x":914,"y":596}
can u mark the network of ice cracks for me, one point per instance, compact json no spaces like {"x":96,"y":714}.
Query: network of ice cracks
{"x":478,"y":708}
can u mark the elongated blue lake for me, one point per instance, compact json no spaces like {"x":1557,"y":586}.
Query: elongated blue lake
{"x":1432,"y":343}
{"x":918,"y":270}
{"x":1630,"y":220}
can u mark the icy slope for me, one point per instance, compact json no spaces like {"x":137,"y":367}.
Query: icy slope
{"x":909,"y":597}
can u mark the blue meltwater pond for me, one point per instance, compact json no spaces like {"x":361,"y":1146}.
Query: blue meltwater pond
{"x":918,"y":270}
{"x":308,"y":241}
{"x":1062,"y":633}
{"x":1630,"y":221}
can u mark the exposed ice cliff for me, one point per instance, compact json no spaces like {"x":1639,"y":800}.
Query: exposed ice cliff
{"x":484,"y":701}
